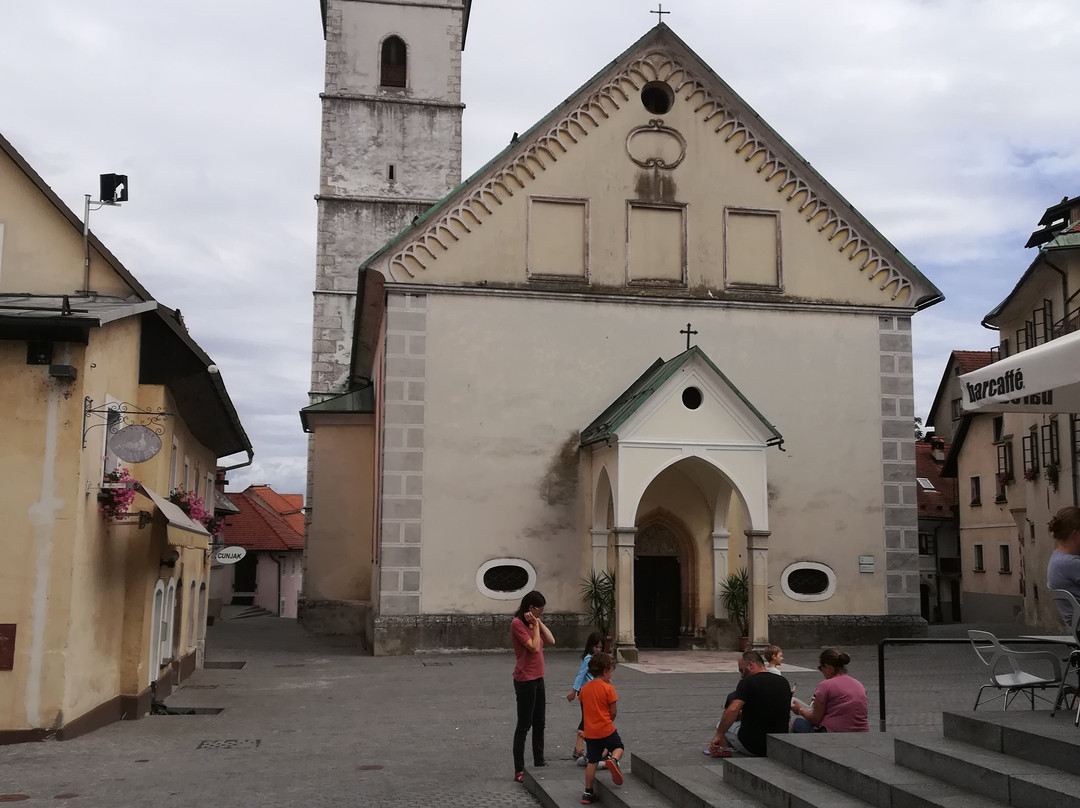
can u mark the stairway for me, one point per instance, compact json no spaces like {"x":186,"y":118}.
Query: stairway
{"x":1017,"y":758}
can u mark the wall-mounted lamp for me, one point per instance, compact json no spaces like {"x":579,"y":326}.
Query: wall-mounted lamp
{"x":170,"y":557}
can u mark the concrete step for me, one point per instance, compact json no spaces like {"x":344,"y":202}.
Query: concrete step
{"x":687,"y":783}
{"x":775,"y":785}
{"x":1019,"y":783}
{"x":861,"y":764}
{"x":561,"y":786}
{"x":1029,"y":735}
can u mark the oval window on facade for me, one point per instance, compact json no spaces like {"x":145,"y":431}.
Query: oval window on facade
{"x":506,"y":578}
{"x":808,"y":580}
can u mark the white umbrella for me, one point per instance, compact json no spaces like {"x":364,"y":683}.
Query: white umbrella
{"x":1041,"y":379}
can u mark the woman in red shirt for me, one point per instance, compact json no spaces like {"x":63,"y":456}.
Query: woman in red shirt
{"x":529,"y":635}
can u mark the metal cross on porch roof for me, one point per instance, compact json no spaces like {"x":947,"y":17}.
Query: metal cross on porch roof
{"x":659,"y":13}
{"x":688,"y":331}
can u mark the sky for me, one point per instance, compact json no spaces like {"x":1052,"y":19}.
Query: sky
{"x":951,"y":125}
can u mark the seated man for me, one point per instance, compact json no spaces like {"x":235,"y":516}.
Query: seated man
{"x":764,"y":701}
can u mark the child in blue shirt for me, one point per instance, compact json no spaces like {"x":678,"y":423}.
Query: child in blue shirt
{"x":593,"y":645}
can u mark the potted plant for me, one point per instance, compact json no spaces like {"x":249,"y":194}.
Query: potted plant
{"x":735,"y":598}
{"x":1052,"y":471}
{"x":117,"y":492}
{"x":598,"y":597}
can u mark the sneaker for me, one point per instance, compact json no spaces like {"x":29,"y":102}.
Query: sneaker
{"x":519,"y":777}
{"x":588,"y":798}
{"x":602,"y":764}
{"x":616,"y":772}
{"x":583,"y":761}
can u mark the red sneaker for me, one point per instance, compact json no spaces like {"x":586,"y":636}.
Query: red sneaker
{"x":519,"y":777}
{"x":616,"y":772}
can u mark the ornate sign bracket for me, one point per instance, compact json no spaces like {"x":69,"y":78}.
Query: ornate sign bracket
{"x":116,"y":416}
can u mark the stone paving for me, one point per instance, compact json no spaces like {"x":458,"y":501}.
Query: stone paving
{"x":312,"y":722}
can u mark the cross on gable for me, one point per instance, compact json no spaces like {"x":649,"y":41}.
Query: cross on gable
{"x":659,"y":13}
{"x":688,"y":331}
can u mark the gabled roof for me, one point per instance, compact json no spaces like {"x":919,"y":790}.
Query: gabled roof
{"x":168,"y":355}
{"x":966,"y":361}
{"x":75,"y":221}
{"x":719,"y":104}
{"x":260,"y":525}
{"x":935,"y":503}
{"x":608,"y":422}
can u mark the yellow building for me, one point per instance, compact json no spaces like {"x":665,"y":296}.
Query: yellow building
{"x":96,"y":613}
{"x":1021,"y":425}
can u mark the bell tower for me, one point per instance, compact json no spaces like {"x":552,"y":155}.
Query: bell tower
{"x":391,"y":147}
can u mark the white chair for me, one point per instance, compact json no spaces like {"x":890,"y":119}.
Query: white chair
{"x":1015,"y":671}
{"x":1066,"y":603}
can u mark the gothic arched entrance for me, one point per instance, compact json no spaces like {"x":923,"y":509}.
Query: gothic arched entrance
{"x":661,"y":566}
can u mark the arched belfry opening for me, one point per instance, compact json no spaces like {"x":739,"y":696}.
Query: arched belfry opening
{"x":393,"y":62}
{"x":679,"y":493}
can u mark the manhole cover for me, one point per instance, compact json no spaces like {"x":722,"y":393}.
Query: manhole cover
{"x":371,"y":767}
{"x":14,"y":797}
{"x":229,"y":744}
{"x":436,"y":664}
{"x":227,"y":665}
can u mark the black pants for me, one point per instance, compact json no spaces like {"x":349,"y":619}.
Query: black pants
{"x":530,"y":713}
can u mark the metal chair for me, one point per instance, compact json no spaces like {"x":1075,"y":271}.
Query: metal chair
{"x":1014,"y":671}
{"x":1066,"y":603}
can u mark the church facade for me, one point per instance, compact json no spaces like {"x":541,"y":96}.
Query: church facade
{"x":646,"y":338}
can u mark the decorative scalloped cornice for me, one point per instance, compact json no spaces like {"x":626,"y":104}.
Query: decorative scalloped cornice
{"x":471,"y":210}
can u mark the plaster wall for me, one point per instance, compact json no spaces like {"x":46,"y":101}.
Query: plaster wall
{"x":504,"y":443}
{"x":339,"y":544}
{"x":989,"y":523}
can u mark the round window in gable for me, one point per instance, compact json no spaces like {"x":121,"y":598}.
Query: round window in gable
{"x":808,"y":580}
{"x":691,"y":398}
{"x":657,"y":97}
{"x":506,"y":578}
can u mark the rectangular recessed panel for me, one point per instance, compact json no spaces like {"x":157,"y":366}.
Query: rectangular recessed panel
{"x":7,"y":646}
{"x":752,"y":248}
{"x":656,"y":244}
{"x":558,"y":238}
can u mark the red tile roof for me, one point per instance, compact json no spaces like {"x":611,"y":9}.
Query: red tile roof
{"x":267,"y":520}
{"x":968,"y":361}
{"x":289,"y":506}
{"x":939,"y":502}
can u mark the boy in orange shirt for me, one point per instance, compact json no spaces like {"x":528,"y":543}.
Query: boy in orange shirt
{"x":598,"y":703}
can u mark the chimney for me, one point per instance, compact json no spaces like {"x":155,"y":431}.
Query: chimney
{"x":937,"y":449}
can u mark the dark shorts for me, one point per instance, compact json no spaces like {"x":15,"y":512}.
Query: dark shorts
{"x":595,"y":749}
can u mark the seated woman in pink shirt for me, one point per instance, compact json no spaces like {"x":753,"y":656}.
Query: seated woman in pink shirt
{"x":839,"y":703}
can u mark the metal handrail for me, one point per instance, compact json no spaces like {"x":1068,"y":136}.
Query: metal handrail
{"x":928,"y":641}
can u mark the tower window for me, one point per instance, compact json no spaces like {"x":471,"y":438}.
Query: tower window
{"x":392,"y":73}
{"x":391,"y":173}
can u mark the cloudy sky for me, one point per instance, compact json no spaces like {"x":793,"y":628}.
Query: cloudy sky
{"x":950,"y":124}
